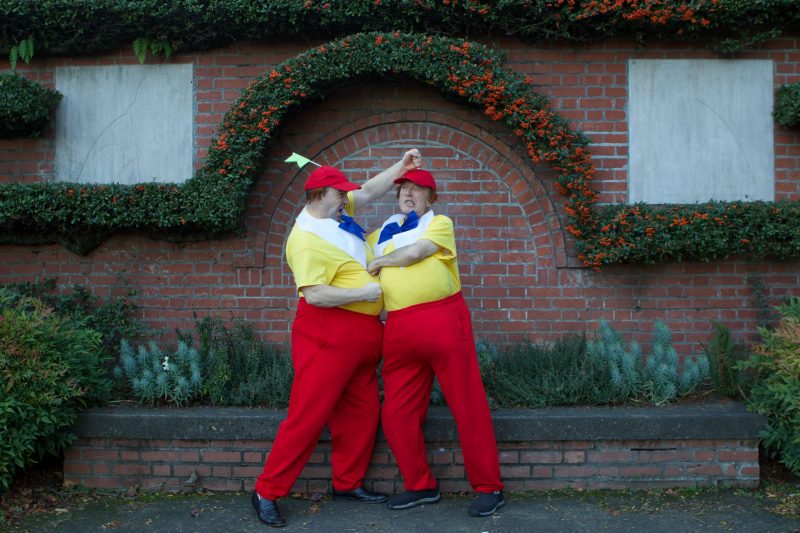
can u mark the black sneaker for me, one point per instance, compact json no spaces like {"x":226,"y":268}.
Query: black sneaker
{"x":487,"y":503}
{"x":410,"y":498}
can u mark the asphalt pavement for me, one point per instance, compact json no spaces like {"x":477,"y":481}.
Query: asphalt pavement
{"x":671,"y":511}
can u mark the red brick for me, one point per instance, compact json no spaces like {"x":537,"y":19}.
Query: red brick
{"x":222,"y":457}
{"x":160,"y":456}
{"x":574,"y":471}
{"x":122,"y":469}
{"x":540,"y":457}
{"x":738,"y":456}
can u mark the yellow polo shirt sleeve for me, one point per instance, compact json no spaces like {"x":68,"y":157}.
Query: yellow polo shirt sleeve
{"x":431,"y":279}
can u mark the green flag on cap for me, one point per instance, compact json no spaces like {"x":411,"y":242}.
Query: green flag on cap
{"x":300,"y":160}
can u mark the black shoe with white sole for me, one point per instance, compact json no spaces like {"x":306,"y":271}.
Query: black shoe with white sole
{"x":412,"y":498}
{"x":487,"y":503}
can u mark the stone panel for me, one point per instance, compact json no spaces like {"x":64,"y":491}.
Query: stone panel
{"x":701,"y":130}
{"x":124,"y":123}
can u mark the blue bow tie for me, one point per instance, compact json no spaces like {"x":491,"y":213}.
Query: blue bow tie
{"x":390,"y":230}
{"x":350,"y":226}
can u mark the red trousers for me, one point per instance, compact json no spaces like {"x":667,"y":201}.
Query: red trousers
{"x":335,"y":354}
{"x":419,"y":342}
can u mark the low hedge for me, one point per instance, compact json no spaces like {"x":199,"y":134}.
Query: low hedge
{"x":89,"y":26}
{"x":25,"y":106}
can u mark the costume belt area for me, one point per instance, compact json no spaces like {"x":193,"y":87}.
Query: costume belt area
{"x":335,"y":354}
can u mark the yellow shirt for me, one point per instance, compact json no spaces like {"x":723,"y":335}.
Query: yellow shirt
{"x":428,"y":280}
{"x":315,"y":261}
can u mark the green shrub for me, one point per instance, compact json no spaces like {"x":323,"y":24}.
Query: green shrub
{"x":622,"y":365}
{"x":776,"y":392}
{"x":113,"y":317}
{"x":25,"y":106}
{"x":657,"y":378}
{"x":539,"y":375}
{"x":787,"y":106}
{"x":240,"y":369}
{"x":156,"y":376}
{"x":723,"y":356}
{"x":86,"y":27}
{"x":663,"y":378}
{"x":50,"y":367}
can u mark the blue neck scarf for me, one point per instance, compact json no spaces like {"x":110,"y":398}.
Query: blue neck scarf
{"x":350,"y":226}
{"x":390,"y":230}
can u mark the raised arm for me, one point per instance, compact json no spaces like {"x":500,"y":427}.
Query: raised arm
{"x":407,"y":255}
{"x":329,"y":296}
{"x":379,"y":185}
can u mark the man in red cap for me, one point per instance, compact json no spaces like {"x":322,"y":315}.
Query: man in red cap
{"x":336,"y":341}
{"x":429,"y":333}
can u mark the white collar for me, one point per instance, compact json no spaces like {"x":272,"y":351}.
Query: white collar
{"x":406,"y":237}
{"x":329,"y":230}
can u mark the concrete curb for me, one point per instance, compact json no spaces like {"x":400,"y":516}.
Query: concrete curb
{"x":698,"y":421}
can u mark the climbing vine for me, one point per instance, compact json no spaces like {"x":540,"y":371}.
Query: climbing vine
{"x":212,"y":202}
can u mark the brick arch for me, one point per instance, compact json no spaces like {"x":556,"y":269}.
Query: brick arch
{"x":507,"y":231}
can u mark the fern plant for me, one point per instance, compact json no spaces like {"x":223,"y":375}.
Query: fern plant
{"x":723,"y":356}
{"x":22,"y":50}
{"x":156,"y":376}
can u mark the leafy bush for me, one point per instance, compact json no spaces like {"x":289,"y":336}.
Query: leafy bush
{"x":663,"y":378}
{"x":240,"y":369}
{"x":50,"y":368}
{"x":82,"y":27}
{"x":538,"y":376}
{"x":642,"y":233}
{"x":25,"y":106}
{"x":113,"y":317}
{"x":787,"y":106}
{"x":597,"y":371}
{"x":776,"y":392}
{"x":723,"y":356}
{"x":156,"y":377}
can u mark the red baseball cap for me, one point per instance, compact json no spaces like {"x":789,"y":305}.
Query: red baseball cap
{"x":329,"y":177}
{"x":420,"y":177}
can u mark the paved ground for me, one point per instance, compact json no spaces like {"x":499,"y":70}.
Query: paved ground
{"x":614,"y":511}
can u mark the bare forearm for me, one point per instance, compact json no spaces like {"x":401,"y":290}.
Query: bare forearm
{"x":329,"y":296}
{"x":382,"y":183}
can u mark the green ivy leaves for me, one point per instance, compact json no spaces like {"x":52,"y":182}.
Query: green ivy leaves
{"x":22,"y":50}
{"x":157,"y":47}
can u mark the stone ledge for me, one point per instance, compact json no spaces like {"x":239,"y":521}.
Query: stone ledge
{"x":225,"y":448}
{"x":699,"y":421}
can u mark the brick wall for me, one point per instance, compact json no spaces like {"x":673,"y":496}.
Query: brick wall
{"x":233,"y":465}
{"x":518,"y":268}
{"x":225,"y":449}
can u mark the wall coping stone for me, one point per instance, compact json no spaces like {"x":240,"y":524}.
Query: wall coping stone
{"x":711,"y":421}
